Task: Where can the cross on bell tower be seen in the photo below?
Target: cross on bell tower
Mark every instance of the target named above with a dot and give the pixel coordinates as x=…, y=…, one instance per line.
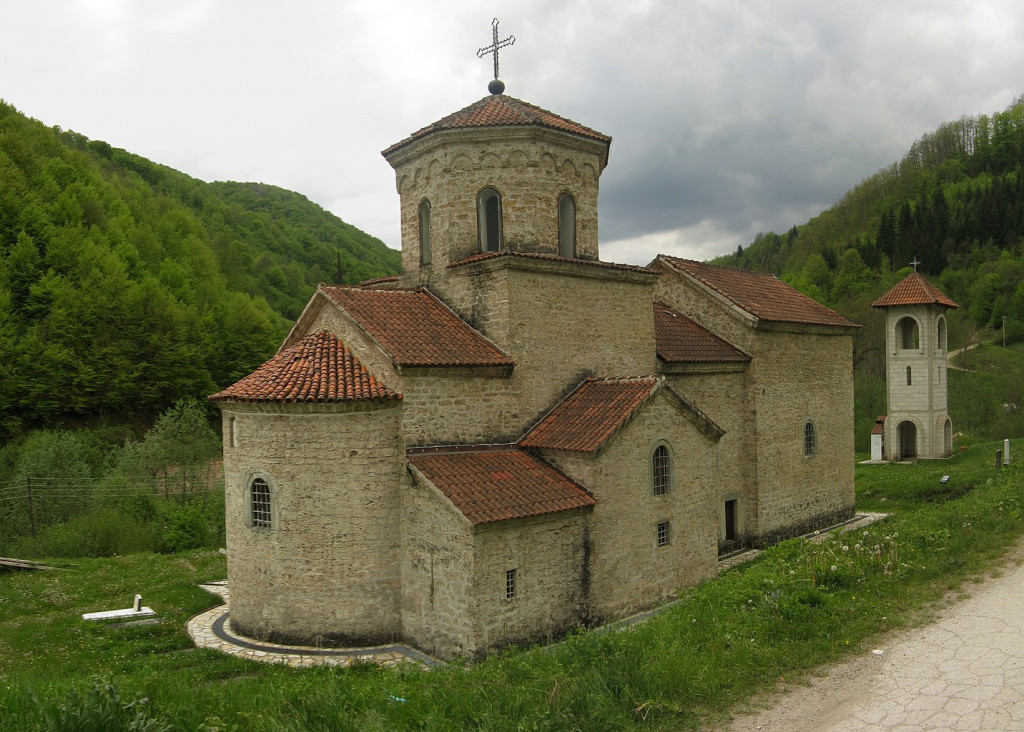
x=496, y=86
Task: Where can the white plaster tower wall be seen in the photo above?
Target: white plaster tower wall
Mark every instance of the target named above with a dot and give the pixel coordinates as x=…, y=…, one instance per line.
x=916, y=382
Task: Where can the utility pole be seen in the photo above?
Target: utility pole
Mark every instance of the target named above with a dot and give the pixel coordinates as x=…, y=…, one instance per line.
x=1004, y=331
x=31, y=513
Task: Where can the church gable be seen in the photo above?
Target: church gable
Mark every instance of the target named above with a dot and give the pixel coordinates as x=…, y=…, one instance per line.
x=491, y=485
x=680, y=340
x=415, y=328
x=763, y=298
x=598, y=410
x=595, y=411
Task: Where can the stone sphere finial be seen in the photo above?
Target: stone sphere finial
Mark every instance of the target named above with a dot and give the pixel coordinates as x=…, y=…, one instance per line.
x=496, y=86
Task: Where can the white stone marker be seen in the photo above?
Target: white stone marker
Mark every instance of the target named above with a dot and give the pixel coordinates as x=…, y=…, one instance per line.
x=1006, y=452
x=136, y=611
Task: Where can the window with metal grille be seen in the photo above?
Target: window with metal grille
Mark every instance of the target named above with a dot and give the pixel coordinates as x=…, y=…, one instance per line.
x=260, y=502
x=663, y=533
x=810, y=439
x=661, y=470
x=510, y=584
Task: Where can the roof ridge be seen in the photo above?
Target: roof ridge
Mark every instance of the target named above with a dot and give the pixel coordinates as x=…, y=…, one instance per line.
x=762, y=296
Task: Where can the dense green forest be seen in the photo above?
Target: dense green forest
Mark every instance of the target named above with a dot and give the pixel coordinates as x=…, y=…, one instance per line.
x=126, y=285
x=955, y=205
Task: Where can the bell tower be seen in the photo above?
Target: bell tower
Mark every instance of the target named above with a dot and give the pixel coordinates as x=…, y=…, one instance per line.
x=916, y=347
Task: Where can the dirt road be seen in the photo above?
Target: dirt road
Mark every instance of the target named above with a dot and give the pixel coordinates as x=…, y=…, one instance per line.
x=965, y=671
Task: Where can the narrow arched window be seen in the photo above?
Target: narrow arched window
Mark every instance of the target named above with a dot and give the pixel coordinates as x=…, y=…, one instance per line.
x=424, y=216
x=661, y=471
x=488, y=211
x=909, y=376
x=908, y=334
x=259, y=504
x=566, y=226
x=942, y=334
x=810, y=439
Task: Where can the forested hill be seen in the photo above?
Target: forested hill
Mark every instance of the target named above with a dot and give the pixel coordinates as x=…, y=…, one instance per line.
x=125, y=285
x=954, y=203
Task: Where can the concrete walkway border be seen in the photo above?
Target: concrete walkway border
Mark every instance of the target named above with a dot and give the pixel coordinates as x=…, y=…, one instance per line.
x=212, y=629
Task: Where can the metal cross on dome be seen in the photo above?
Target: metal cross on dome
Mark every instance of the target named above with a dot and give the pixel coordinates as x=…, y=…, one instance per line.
x=915, y=263
x=493, y=48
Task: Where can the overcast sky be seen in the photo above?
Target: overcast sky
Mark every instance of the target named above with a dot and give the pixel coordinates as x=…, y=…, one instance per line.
x=728, y=118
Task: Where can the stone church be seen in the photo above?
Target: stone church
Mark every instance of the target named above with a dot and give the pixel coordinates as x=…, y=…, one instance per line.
x=515, y=438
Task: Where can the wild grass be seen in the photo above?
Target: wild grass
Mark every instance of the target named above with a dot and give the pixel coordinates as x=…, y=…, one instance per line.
x=799, y=605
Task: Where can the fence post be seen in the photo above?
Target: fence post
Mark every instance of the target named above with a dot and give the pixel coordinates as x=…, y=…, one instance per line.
x=31, y=513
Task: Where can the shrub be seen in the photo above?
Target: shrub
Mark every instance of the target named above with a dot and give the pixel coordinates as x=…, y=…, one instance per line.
x=100, y=533
x=185, y=527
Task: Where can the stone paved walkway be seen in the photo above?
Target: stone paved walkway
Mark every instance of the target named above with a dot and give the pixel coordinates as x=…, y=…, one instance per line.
x=211, y=629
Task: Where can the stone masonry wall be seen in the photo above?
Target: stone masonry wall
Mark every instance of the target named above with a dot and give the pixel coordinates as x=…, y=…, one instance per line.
x=437, y=574
x=565, y=322
x=548, y=556
x=328, y=570
x=628, y=572
x=801, y=377
x=797, y=374
x=724, y=397
x=529, y=167
x=563, y=329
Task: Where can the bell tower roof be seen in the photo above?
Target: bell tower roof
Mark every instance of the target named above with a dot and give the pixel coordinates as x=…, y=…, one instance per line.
x=914, y=289
x=501, y=110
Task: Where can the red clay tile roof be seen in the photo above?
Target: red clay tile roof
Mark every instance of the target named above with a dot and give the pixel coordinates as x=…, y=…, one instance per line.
x=319, y=368
x=914, y=289
x=763, y=296
x=378, y=281
x=592, y=413
x=501, y=111
x=550, y=258
x=497, y=485
x=415, y=328
x=680, y=340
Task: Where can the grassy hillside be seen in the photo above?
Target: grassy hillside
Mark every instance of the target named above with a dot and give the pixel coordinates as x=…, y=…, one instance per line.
x=955, y=204
x=125, y=285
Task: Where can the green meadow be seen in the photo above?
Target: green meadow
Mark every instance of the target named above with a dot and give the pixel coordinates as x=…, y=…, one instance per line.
x=796, y=606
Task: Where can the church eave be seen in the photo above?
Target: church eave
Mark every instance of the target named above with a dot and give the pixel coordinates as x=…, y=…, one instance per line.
x=554, y=264
x=483, y=136
x=702, y=367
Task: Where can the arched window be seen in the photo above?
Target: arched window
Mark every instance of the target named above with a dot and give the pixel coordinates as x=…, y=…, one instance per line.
x=424, y=231
x=566, y=226
x=909, y=374
x=488, y=211
x=661, y=471
x=259, y=503
x=908, y=334
x=810, y=439
x=942, y=334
